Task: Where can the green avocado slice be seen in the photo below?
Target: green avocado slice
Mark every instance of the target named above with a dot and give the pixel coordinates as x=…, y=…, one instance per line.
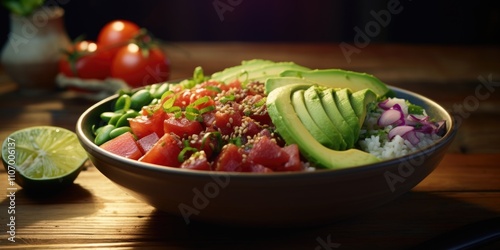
x=337, y=78
x=320, y=117
x=256, y=71
x=305, y=117
x=344, y=105
x=348, y=131
x=275, y=82
x=293, y=131
x=244, y=66
x=359, y=100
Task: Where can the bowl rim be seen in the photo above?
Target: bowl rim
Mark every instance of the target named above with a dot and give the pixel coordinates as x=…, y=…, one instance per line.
x=91, y=147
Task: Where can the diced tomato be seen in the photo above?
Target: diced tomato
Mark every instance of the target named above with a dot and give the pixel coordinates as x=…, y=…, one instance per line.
x=205, y=90
x=263, y=119
x=141, y=126
x=183, y=99
x=293, y=163
x=208, y=119
x=255, y=106
x=229, y=159
x=267, y=153
x=211, y=141
x=164, y=152
x=197, y=161
x=123, y=145
x=227, y=119
x=157, y=119
x=147, y=124
x=182, y=126
x=236, y=84
x=147, y=142
x=252, y=128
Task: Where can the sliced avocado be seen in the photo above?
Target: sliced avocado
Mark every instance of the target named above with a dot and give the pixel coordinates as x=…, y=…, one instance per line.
x=244, y=66
x=293, y=131
x=275, y=82
x=318, y=114
x=342, y=99
x=258, y=71
x=303, y=113
x=349, y=132
x=359, y=100
x=337, y=78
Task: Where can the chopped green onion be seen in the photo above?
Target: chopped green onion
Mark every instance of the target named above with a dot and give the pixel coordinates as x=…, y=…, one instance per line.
x=214, y=88
x=184, y=151
x=261, y=102
x=236, y=141
x=207, y=109
x=176, y=110
x=200, y=101
x=166, y=94
x=415, y=109
x=217, y=136
x=169, y=103
x=227, y=98
x=198, y=76
x=192, y=113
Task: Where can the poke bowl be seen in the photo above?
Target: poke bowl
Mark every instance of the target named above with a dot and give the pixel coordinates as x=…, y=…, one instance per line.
x=288, y=198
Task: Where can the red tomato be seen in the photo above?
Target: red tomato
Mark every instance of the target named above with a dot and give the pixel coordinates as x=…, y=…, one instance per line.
x=164, y=152
x=226, y=120
x=252, y=128
x=139, y=67
x=267, y=153
x=147, y=142
x=183, y=98
x=197, y=161
x=182, y=127
x=293, y=163
x=257, y=110
x=123, y=145
x=116, y=34
x=229, y=159
x=144, y=125
x=86, y=60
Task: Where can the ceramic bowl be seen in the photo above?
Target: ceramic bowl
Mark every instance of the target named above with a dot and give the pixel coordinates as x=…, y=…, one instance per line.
x=276, y=199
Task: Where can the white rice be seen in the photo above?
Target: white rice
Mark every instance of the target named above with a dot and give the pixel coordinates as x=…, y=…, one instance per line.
x=380, y=146
x=374, y=140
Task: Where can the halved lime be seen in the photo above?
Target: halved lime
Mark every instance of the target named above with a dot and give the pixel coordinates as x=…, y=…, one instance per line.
x=43, y=157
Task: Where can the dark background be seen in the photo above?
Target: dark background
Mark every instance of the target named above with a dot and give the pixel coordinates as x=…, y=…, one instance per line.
x=420, y=21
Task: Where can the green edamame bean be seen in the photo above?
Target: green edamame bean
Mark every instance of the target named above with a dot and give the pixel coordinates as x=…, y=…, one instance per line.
x=123, y=102
x=115, y=118
x=103, y=135
x=140, y=99
x=161, y=89
x=152, y=88
x=96, y=130
x=106, y=116
x=119, y=131
x=123, y=121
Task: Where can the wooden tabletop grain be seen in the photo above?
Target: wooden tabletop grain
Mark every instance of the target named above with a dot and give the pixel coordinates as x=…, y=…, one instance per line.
x=465, y=187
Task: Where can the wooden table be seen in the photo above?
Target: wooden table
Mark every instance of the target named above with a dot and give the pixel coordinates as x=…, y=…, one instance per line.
x=464, y=188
